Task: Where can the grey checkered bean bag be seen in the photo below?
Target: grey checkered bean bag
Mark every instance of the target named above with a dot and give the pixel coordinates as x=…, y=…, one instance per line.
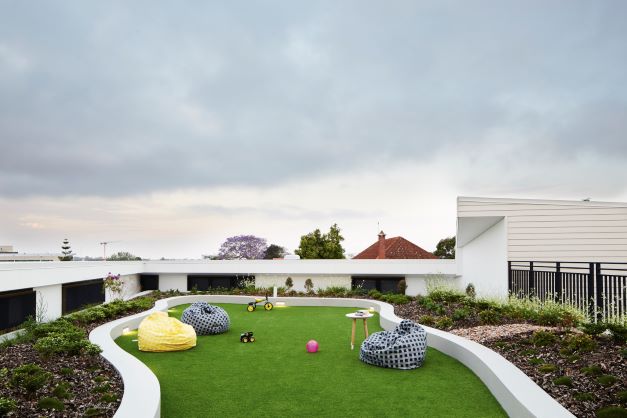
x=402, y=348
x=206, y=319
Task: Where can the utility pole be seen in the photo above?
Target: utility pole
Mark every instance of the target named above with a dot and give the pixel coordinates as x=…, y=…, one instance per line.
x=104, y=249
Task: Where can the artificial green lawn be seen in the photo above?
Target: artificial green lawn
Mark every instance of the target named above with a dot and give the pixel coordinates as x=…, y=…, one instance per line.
x=275, y=376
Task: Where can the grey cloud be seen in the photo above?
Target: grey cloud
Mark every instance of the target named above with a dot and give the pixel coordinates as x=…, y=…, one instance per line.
x=121, y=98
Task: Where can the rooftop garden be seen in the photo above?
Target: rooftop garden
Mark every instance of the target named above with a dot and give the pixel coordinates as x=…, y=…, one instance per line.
x=51, y=369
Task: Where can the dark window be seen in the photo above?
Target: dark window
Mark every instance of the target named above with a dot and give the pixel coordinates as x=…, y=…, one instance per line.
x=206, y=281
x=15, y=307
x=149, y=281
x=383, y=284
x=79, y=294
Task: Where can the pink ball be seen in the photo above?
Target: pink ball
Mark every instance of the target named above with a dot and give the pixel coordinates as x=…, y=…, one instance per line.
x=312, y=346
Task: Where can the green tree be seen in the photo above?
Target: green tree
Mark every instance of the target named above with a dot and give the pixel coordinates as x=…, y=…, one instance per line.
x=316, y=245
x=123, y=256
x=274, y=251
x=66, y=250
x=445, y=248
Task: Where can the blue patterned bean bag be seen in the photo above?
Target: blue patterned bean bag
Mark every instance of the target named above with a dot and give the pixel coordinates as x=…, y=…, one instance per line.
x=402, y=348
x=206, y=319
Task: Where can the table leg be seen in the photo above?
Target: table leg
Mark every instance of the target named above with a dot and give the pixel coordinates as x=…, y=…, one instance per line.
x=353, y=334
x=366, y=327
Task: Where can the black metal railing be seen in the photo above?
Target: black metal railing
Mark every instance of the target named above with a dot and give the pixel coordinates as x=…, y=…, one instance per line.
x=600, y=289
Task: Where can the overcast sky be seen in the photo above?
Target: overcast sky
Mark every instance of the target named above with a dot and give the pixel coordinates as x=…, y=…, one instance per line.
x=170, y=127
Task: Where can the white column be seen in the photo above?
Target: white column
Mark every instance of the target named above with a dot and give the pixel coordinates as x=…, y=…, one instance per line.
x=49, y=302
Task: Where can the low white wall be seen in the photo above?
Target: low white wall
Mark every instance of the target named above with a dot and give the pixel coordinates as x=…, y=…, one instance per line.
x=131, y=286
x=484, y=262
x=320, y=281
x=173, y=282
x=420, y=285
x=49, y=304
x=518, y=394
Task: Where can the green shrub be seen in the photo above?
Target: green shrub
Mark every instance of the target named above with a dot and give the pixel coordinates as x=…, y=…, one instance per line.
x=109, y=397
x=7, y=405
x=66, y=371
x=444, y=323
x=619, y=332
x=460, y=314
x=584, y=396
x=470, y=291
x=612, y=412
x=289, y=283
x=61, y=391
x=401, y=287
x=51, y=403
x=4, y=372
x=396, y=299
x=374, y=294
x=93, y=412
x=623, y=352
x=606, y=380
x=29, y=377
x=591, y=328
x=547, y=368
x=530, y=352
x=427, y=320
x=594, y=370
x=536, y=361
x=622, y=396
x=69, y=343
x=105, y=387
x=490, y=317
x=563, y=381
x=542, y=338
x=580, y=343
x=446, y=295
x=309, y=286
x=485, y=304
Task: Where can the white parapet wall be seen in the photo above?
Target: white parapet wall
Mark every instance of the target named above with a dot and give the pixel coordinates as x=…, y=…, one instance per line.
x=517, y=394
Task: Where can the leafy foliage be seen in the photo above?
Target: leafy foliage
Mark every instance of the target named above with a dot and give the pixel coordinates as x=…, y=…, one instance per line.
x=7, y=405
x=445, y=248
x=309, y=286
x=51, y=403
x=123, y=256
x=274, y=251
x=243, y=247
x=29, y=377
x=316, y=245
x=289, y=283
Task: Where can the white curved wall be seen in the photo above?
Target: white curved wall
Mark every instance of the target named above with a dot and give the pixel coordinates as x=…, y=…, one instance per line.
x=518, y=394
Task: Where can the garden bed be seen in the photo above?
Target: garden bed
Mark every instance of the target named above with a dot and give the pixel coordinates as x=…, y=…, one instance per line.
x=585, y=369
x=586, y=374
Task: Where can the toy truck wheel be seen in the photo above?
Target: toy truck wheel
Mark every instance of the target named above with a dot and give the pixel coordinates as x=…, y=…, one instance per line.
x=268, y=306
x=250, y=308
x=244, y=339
x=252, y=339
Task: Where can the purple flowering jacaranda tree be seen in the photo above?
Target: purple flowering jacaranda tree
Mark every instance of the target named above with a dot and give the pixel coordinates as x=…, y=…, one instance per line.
x=243, y=247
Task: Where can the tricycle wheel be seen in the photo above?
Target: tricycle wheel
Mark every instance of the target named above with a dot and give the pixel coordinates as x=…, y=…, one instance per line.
x=250, y=308
x=244, y=339
x=268, y=306
x=252, y=339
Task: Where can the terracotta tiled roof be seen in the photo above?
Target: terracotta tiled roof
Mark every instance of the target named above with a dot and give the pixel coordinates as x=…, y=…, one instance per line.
x=397, y=247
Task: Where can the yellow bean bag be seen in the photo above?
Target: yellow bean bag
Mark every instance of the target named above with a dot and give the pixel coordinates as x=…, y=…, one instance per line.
x=159, y=332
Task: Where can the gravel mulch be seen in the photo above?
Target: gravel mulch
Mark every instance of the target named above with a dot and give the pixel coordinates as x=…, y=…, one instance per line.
x=582, y=382
x=89, y=378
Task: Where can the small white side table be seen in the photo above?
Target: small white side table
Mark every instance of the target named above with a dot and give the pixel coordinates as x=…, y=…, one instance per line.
x=355, y=316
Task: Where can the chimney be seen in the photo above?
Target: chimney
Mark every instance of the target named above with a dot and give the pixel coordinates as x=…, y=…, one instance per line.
x=381, y=254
